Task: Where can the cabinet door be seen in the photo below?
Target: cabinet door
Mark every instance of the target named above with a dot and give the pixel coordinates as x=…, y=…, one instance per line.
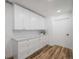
x=34, y=21
x=18, y=17
x=34, y=45
x=38, y=22
x=41, y=23
x=28, y=22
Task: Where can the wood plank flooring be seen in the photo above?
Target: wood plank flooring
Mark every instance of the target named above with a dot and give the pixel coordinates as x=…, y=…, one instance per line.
x=52, y=52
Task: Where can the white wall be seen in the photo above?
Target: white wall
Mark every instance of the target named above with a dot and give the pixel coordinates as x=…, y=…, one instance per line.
x=14, y=34
x=57, y=29
x=8, y=29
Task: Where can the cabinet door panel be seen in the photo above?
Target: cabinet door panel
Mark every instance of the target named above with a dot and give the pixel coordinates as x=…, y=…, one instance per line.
x=18, y=17
x=30, y=21
x=41, y=22
x=27, y=21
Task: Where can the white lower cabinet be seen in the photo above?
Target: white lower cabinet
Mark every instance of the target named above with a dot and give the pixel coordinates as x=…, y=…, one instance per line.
x=22, y=49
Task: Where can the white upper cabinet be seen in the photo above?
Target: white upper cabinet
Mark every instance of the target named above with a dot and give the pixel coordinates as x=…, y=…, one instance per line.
x=27, y=20
x=18, y=17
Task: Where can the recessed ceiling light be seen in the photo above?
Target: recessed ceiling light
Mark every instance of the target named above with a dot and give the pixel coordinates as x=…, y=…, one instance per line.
x=49, y=0
x=58, y=11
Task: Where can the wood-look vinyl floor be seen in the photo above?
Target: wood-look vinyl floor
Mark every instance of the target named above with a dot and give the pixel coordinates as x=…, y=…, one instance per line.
x=52, y=52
